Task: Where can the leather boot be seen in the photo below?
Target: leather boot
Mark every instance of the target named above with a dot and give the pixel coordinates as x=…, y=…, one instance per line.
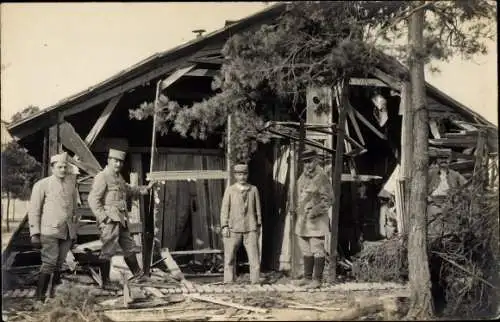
x=319, y=266
x=133, y=265
x=308, y=271
x=105, y=267
x=43, y=284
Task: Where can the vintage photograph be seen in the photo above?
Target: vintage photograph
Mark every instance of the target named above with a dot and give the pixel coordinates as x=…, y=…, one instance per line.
x=249, y=161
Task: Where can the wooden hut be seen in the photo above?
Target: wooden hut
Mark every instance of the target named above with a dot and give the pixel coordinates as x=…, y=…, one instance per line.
x=88, y=123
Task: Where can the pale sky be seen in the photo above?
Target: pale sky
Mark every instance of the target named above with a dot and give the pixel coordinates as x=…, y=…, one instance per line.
x=50, y=51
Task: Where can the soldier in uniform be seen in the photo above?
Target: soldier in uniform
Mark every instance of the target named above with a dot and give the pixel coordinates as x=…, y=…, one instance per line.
x=315, y=197
x=53, y=222
x=108, y=201
x=241, y=222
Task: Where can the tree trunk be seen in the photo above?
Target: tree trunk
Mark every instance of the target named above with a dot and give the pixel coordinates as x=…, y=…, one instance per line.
x=7, y=212
x=421, y=302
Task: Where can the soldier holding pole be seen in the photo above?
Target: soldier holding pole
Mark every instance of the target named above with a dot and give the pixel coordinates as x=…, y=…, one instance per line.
x=108, y=201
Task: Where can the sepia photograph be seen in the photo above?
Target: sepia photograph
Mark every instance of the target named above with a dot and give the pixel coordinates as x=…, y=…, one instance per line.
x=249, y=161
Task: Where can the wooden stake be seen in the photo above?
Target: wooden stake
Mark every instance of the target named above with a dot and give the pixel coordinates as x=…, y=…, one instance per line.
x=226, y=303
x=406, y=153
x=341, y=99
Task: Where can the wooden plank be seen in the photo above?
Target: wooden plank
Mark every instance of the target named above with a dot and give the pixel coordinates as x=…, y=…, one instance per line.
x=91, y=229
x=54, y=145
x=197, y=251
x=454, y=142
x=199, y=215
x=154, y=291
x=434, y=129
x=101, y=121
x=215, y=194
x=10, y=260
x=172, y=264
x=227, y=303
x=172, y=78
x=367, y=82
x=366, y=122
x=388, y=79
x=137, y=210
x=71, y=140
x=186, y=175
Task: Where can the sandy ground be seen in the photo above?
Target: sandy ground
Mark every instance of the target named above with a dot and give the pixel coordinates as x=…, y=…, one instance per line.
x=280, y=307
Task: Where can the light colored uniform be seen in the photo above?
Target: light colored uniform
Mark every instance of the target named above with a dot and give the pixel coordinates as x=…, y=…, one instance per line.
x=108, y=198
x=241, y=213
x=52, y=215
x=315, y=196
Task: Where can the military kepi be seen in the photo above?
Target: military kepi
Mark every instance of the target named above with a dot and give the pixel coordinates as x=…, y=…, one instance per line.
x=309, y=154
x=240, y=168
x=117, y=154
x=61, y=157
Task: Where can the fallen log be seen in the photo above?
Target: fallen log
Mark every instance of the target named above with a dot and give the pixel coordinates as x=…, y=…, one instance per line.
x=226, y=303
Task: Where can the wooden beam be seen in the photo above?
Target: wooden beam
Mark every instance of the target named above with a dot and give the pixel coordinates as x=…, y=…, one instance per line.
x=434, y=129
x=386, y=78
x=406, y=154
x=107, y=95
x=71, y=140
x=342, y=103
x=53, y=145
x=229, y=165
x=203, y=72
x=366, y=122
x=187, y=175
x=367, y=82
x=175, y=76
x=356, y=126
x=101, y=121
x=160, y=149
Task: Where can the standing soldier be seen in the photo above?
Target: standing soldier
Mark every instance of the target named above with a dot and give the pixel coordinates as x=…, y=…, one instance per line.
x=108, y=201
x=241, y=221
x=53, y=221
x=315, y=197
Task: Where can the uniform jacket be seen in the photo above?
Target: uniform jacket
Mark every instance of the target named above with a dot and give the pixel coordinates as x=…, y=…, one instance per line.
x=108, y=196
x=238, y=215
x=315, y=196
x=453, y=178
x=52, y=207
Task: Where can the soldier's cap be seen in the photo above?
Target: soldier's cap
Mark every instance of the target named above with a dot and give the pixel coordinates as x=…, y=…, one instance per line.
x=61, y=157
x=309, y=155
x=117, y=154
x=240, y=168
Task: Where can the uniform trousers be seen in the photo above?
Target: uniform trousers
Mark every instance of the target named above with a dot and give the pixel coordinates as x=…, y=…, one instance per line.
x=231, y=245
x=115, y=234
x=53, y=253
x=312, y=246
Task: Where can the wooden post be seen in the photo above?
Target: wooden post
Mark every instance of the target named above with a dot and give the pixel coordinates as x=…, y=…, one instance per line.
x=293, y=207
x=45, y=157
x=341, y=99
x=53, y=144
x=229, y=150
x=150, y=218
x=134, y=216
x=406, y=154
